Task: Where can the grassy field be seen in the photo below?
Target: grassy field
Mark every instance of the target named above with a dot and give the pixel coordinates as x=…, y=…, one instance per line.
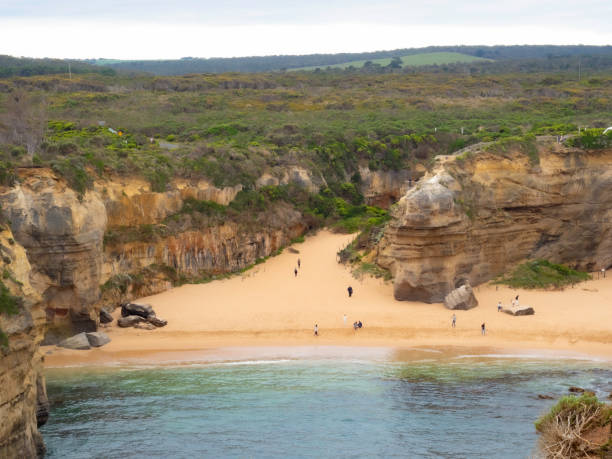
x=411, y=60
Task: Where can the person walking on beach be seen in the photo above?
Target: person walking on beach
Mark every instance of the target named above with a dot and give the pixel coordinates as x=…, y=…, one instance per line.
x=316, y=330
x=350, y=291
x=454, y=321
x=482, y=329
x=299, y=263
x=499, y=306
x=344, y=319
x=295, y=272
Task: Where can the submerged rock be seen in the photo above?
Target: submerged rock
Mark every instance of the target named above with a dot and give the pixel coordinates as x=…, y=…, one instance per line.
x=129, y=321
x=461, y=298
x=79, y=341
x=98, y=339
x=105, y=317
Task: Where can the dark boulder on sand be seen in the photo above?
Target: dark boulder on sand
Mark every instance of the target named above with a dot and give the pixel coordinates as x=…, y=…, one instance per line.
x=154, y=320
x=98, y=339
x=519, y=310
x=129, y=321
x=133, y=309
x=462, y=298
x=105, y=317
x=79, y=341
x=139, y=316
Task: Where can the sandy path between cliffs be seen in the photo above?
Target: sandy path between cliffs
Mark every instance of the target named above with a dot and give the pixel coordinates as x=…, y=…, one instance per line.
x=269, y=306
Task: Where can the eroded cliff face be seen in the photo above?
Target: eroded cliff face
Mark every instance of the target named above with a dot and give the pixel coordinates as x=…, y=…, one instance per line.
x=473, y=219
x=23, y=399
x=62, y=236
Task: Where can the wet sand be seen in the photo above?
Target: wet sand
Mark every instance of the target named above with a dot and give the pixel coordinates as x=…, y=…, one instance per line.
x=269, y=307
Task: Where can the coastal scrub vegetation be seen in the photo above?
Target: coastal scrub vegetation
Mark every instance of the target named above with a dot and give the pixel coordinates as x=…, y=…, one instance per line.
x=232, y=128
x=542, y=274
x=9, y=305
x=576, y=427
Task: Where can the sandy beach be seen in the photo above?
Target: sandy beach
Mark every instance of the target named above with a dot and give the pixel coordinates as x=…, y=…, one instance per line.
x=268, y=306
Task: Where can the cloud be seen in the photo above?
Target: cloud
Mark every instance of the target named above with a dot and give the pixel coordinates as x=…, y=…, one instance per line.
x=161, y=29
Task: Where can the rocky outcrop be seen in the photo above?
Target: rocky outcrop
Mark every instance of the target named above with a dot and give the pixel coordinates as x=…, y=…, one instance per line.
x=474, y=218
x=383, y=188
x=62, y=234
x=461, y=298
x=216, y=249
x=23, y=398
x=130, y=201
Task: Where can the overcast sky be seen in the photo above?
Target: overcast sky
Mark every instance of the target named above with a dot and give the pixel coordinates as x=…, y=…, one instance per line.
x=149, y=29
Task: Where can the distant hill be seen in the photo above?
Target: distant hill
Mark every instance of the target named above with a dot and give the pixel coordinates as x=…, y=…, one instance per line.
x=25, y=66
x=415, y=60
x=275, y=63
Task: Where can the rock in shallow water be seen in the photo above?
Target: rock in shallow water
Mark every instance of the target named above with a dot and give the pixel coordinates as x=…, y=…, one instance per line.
x=79, y=341
x=145, y=326
x=98, y=339
x=461, y=298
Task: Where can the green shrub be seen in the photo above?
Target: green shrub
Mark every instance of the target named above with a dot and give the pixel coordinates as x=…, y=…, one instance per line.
x=592, y=139
x=74, y=172
x=9, y=305
x=542, y=274
x=191, y=205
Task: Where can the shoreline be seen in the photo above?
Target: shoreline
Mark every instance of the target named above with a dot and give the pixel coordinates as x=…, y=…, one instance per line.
x=269, y=306
x=231, y=346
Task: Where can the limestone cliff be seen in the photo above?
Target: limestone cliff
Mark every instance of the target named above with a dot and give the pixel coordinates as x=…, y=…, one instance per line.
x=64, y=238
x=23, y=399
x=476, y=215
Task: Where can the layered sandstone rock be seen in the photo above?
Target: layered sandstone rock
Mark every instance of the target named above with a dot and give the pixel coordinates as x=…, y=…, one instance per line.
x=474, y=218
x=383, y=188
x=23, y=398
x=62, y=234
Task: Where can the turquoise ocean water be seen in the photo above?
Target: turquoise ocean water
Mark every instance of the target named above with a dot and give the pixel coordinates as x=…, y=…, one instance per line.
x=425, y=404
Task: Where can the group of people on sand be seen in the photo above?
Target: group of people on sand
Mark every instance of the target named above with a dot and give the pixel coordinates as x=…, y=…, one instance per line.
x=483, y=328
x=295, y=270
x=356, y=325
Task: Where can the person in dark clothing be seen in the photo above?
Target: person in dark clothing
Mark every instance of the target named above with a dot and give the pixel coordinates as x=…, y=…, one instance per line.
x=355, y=325
x=295, y=272
x=350, y=291
x=299, y=263
x=359, y=324
x=482, y=329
